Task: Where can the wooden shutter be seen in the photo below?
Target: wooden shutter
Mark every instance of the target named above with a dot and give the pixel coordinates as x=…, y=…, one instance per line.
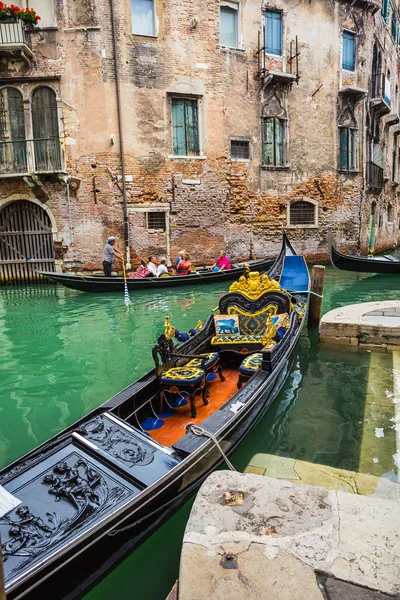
x=192, y=127
x=343, y=152
x=273, y=44
x=349, y=47
x=268, y=141
x=45, y=130
x=178, y=126
x=279, y=143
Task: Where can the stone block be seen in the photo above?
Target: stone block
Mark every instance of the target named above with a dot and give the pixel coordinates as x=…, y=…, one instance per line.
x=334, y=340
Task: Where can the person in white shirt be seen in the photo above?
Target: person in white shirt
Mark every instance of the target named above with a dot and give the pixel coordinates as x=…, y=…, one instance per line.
x=162, y=268
x=152, y=266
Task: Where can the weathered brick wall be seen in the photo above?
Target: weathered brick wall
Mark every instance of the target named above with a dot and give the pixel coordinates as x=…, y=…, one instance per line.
x=234, y=205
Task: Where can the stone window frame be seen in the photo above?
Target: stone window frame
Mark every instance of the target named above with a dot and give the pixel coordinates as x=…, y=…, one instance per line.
x=200, y=123
x=239, y=39
x=156, y=207
x=27, y=92
x=241, y=139
x=301, y=225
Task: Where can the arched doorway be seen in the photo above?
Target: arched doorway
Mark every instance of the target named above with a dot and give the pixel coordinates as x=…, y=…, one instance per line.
x=26, y=242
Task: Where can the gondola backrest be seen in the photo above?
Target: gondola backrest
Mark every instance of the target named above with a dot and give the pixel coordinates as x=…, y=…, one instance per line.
x=163, y=354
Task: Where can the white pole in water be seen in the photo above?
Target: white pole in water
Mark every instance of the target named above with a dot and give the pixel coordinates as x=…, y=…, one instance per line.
x=127, y=300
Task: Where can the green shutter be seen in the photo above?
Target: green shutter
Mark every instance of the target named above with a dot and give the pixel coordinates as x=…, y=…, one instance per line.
x=344, y=149
x=279, y=143
x=268, y=145
x=178, y=126
x=192, y=128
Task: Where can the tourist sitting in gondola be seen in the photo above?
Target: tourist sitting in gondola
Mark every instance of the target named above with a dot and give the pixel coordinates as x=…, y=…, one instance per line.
x=152, y=266
x=222, y=263
x=141, y=272
x=162, y=269
x=184, y=266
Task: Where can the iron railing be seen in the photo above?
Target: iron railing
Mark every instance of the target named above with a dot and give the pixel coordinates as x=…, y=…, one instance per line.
x=374, y=176
x=12, y=34
x=44, y=155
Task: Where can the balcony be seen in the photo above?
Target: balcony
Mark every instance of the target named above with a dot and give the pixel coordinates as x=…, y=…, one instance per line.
x=374, y=176
x=380, y=94
x=27, y=157
x=14, y=41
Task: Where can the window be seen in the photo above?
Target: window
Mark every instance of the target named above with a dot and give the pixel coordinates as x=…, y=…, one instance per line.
x=185, y=127
x=390, y=213
x=143, y=17
x=394, y=165
x=45, y=130
x=385, y=11
x=273, y=32
x=386, y=93
x=156, y=220
x=274, y=142
x=229, y=23
x=44, y=8
x=349, y=51
x=302, y=212
x=348, y=149
x=394, y=28
x=240, y=149
x=12, y=132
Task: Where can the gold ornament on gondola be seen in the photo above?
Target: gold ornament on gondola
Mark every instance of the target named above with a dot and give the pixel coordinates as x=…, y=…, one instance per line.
x=199, y=326
x=266, y=339
x=253, y=285
x=169, y=330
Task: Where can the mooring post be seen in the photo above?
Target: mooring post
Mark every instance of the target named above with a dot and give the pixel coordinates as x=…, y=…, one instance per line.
x=2, y=582
x=317, y=286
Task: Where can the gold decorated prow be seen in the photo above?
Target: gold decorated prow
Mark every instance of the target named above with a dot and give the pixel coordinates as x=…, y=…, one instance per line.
x=253, y=285
x=199, y=326
x=266, y=339
x=169, y=330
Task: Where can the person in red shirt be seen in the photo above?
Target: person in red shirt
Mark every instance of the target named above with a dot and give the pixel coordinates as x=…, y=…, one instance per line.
x=222, y=263
x=184, y=266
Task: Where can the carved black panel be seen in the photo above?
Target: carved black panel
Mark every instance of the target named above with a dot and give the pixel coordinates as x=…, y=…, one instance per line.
x=117, y=441
x=129, y=448
x=280, y=299
x=60, y=497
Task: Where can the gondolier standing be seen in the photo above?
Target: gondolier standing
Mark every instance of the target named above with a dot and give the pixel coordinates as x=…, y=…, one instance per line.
x=108, y=256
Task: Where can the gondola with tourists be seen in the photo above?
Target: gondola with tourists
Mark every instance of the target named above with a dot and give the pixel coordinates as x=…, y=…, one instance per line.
x=96, y=283
x=364, y=264
x=80, y=502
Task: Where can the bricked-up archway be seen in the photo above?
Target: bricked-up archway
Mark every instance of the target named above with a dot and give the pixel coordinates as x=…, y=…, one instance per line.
x=26, y=243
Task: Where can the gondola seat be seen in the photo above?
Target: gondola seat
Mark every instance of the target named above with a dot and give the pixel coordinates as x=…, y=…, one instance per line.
x=176, y=378
x=211, y=363
x=249, y=366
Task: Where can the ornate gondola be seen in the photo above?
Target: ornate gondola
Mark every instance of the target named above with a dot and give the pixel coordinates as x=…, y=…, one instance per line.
x=364, y=264
x=94, y=283
x=83, y=500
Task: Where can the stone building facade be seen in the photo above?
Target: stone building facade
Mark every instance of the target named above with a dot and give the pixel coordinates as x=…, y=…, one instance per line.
x=239, y=119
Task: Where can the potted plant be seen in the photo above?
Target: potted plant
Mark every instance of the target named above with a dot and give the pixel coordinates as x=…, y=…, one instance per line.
x=11, y=12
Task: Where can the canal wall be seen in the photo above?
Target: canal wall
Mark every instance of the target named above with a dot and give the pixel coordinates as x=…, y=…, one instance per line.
x=369, y=324
x=255, y=537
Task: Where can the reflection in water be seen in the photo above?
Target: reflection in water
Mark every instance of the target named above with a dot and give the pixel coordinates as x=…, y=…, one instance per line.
x=63, y=353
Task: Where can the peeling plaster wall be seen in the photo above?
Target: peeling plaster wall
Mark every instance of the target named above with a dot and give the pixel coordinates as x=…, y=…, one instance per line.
x=214, y=202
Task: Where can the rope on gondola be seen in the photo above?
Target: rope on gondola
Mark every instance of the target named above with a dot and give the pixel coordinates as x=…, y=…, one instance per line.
x=199, y=431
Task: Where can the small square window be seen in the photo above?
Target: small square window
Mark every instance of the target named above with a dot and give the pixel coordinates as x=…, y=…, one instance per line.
x=240, y=149
x=156, y=220
x=143, y=17
x=302, y=213
x=229, y=24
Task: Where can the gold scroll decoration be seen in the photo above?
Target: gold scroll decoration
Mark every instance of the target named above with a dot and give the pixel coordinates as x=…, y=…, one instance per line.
x=169, y=330
x=266, y=339
x=254, y=285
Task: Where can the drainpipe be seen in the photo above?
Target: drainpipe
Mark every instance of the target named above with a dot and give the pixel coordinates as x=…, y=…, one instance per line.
x=121, y=137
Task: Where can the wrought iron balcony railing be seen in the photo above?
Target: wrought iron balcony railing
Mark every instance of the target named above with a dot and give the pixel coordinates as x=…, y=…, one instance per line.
x=24, y=157
x=374, y=175
x=14, y=40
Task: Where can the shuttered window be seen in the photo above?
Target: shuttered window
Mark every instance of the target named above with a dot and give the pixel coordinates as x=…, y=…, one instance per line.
x=185, y=127
x=12, y=132
x=394, y=28
x=385, y=10
x=273, y=142
x=45, y=130
x=143, y=17
x=273, y=32
x=348, y=149
x=349, y=51
x=229, y=24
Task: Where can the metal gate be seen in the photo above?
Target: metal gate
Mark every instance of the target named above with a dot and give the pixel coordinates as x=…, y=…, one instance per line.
x=26, y=243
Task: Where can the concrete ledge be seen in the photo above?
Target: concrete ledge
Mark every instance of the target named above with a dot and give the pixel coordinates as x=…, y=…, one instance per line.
x=253, y=537
x=369, y=323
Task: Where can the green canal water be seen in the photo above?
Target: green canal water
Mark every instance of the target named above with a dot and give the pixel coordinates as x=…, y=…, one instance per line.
x=63, y=353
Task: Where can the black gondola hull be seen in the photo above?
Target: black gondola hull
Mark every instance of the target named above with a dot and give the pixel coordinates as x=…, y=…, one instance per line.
x=96, y=284
x=362, y=264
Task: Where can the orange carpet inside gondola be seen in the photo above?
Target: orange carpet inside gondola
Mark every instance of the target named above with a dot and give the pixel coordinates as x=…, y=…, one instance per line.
x=220, y=392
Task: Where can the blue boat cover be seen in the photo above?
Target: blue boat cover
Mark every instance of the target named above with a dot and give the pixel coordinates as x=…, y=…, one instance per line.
x=295, y=274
